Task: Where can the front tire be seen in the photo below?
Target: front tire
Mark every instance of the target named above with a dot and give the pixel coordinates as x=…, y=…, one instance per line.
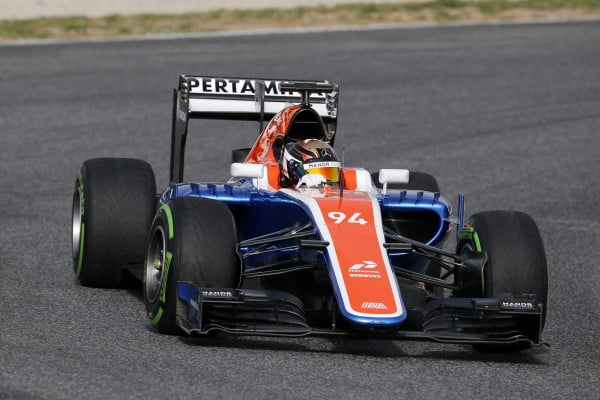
x=516, y=263
x=113, y=204
x=194, y=240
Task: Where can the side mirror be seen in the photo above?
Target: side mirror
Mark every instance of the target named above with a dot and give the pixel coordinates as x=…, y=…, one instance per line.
x=250, y=170
x=393, y=176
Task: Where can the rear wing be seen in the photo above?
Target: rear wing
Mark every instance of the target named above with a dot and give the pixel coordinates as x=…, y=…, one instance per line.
x=244, y=99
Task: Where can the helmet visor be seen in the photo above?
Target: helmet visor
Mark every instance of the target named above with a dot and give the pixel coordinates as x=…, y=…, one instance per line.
x=332, y=174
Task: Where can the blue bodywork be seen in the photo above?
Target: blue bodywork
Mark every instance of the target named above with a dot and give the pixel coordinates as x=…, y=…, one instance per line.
x=260, y=213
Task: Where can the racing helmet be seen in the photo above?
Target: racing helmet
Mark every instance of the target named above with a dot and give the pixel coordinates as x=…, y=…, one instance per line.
x=309, y=156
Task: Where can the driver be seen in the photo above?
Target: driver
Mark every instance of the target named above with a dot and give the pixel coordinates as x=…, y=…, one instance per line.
x=309, y=163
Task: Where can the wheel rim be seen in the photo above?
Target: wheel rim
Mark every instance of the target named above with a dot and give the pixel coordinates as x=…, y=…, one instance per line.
x=76, y=223
x=154, y=265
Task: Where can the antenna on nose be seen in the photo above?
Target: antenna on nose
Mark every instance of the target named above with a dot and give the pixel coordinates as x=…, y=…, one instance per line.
x=342, y=173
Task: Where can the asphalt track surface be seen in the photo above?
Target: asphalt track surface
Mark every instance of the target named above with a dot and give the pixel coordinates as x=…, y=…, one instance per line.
x=508, y=115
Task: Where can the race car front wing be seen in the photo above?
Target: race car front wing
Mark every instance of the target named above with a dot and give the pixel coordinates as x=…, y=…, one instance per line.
x=201, y=310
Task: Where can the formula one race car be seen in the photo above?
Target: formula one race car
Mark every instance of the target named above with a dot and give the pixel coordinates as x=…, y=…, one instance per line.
x=295, y=243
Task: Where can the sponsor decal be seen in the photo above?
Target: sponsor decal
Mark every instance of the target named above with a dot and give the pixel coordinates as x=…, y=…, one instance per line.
x=366, y=269
x=518, y=305
x=221, y=86
x=321, y=164
x=366, y=265
x=217, y=293
x=371, y=305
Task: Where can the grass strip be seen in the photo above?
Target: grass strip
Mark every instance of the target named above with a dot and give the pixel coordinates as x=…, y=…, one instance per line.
x=435, y=11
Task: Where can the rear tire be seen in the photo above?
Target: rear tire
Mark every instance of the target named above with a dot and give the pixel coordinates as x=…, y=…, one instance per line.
x=416, y=181
x=516, y=263
x=113, y=204
x=192, y=239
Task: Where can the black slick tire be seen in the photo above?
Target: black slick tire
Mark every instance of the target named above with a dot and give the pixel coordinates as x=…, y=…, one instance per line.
x=516, y=264
x=194, y=240
x=113, y=205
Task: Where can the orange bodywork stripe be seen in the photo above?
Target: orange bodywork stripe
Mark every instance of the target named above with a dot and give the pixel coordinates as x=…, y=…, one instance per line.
x=262, y=151
x=365, y=277
x=350, y=179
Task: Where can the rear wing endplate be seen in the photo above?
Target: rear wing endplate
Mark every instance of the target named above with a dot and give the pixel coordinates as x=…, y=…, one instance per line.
x=244, y=99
